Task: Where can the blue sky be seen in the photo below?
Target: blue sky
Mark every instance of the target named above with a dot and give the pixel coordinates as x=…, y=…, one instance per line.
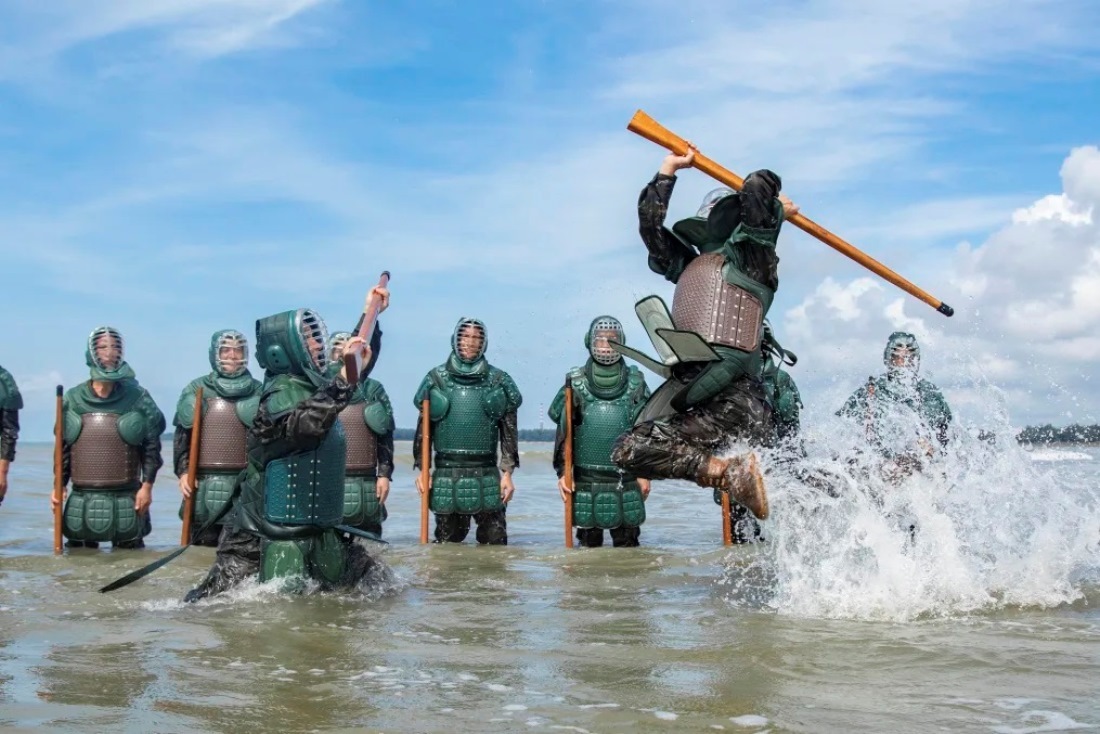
x=180, y=166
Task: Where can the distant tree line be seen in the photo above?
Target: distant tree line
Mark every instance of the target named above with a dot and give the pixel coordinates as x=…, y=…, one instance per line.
x=525, y=434
x=1050, y=434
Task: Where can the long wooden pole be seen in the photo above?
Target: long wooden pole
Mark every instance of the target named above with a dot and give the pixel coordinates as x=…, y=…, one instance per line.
x=425, y=466
x=568, y=472
x=727, y=521
x=192, y=469
x=58, y=484
x=353, y=363
x=651, y=130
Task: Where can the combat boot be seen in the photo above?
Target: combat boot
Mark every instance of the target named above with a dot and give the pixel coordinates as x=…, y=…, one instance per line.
x=741, y=477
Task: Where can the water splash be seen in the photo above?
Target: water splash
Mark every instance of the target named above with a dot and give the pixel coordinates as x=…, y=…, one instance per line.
x=982, y=528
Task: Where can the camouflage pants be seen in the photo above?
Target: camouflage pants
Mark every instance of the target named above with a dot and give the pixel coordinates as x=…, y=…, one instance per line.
x=678, y=446
x=492, y=527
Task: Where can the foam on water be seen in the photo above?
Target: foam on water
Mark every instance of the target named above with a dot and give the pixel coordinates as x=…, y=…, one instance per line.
x=993, y=529
x=1058, y=455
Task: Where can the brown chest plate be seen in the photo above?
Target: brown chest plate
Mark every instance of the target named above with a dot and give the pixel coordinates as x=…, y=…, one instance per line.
x=221, y=443
x=719, y=312
x=100, y=459
x=362, y=443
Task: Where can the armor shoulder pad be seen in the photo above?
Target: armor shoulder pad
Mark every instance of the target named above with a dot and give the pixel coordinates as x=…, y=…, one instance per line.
x=378, y=414
x=132, y=427
x=185, y=406
x=557, y=407
x=511, y=390
x=10, y=399
x=72, y=426
x=155, y=422
x=246, y=409
x=283, y=394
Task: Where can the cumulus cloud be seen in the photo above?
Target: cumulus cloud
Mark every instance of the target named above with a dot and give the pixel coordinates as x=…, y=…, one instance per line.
x=1027, y=302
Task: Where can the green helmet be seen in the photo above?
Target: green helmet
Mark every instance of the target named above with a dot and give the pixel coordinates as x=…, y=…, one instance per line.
x=475, y=328
x=902, y=346
x=611, y=329
x=228, y=366
x=293, y=343
x=104, y=355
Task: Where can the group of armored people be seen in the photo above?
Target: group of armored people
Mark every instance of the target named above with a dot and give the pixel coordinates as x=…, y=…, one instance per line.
x=292, y=468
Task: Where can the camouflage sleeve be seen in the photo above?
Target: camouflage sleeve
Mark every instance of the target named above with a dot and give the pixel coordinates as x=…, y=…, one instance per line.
x=303, y=427
x=9, y=433
x=556, y=413
x=418, y=442
x=856, y=405
x=667, y=255
x=509, y=441
x=149, y=451
x=940, y=416
x=375, y=349
x=181, y=450
x=385, y=455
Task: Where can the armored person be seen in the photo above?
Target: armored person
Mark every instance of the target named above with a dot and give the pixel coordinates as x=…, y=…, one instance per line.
x=230, y=396
x=368, y=427
x=291, y=497
x=473, y=411
x=11, y=402
x=110, y=450
x=608, y=395
x=906, y=417
x=724, y=264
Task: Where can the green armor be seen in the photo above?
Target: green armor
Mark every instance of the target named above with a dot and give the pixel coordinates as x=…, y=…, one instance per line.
x=321, y=557
x=607, y=400
x=466, y=490
x=10, y=398
x=103, y=436
x=368, y=416
x=102, y=516
x=469, y=398
x=231, y=397
x=308, y=488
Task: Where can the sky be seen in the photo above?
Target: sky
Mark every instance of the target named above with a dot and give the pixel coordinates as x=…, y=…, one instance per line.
x=176, y=167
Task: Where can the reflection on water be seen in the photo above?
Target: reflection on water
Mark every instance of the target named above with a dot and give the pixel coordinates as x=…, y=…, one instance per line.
x=678, y=635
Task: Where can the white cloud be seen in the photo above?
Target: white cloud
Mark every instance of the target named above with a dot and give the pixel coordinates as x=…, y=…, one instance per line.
x=1028, y=313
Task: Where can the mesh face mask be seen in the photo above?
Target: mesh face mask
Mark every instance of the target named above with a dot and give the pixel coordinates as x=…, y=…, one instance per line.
x=106, y=347
x=902, y=354
x=711, y=199
x=314, y=336
x=603, y=331
x=470, y=340
x=230, y=354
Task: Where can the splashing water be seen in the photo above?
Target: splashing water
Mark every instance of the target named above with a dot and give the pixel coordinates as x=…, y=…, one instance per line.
x=981, y=528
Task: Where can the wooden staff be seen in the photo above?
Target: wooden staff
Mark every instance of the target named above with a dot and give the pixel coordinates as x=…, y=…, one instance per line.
x=354, y=362
x=567, y=475
x=58, y=484
x=651, y=130
x=727, y=521
x=425, y=465
x=192, y=470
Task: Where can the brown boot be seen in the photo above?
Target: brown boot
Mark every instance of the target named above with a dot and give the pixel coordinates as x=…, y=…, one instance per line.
x=741, y=477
